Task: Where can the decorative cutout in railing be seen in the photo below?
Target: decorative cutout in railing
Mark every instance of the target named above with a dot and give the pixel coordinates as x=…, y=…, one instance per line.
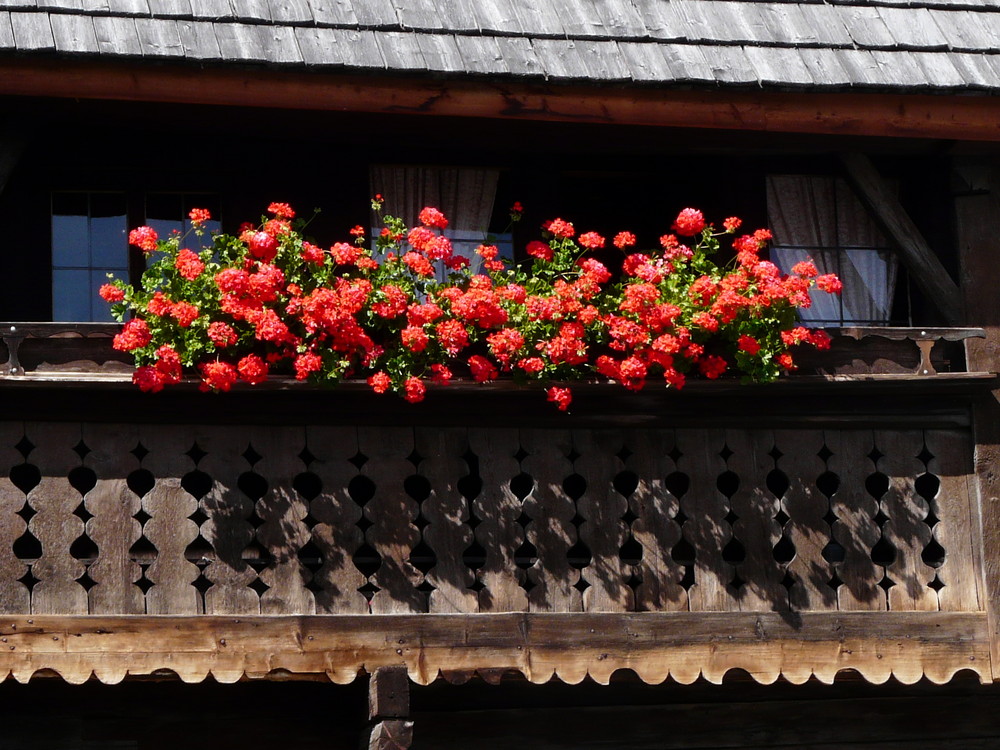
x=129, y=519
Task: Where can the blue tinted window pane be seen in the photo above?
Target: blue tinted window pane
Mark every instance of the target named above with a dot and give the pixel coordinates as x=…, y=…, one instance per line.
x=71, y=295
x=108, y=241
x=70, y=241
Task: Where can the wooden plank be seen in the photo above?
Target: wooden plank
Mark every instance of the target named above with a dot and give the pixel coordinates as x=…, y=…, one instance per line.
x=954, y=504
x=113, y=527
x=706, y=529
x=854, y=529
x=336, y=533
x=159, y=38
x=551, y=531
x=199, y=40
x=447, y=514
x=924, y=266
x=603, y=531
x=170, y=528
x=318, y=46
x=14, y=595
x=73, y=34
x=117, y=36
x=655, y=528
x=293, y=12
x=498, y=508
x=907, y=646
x=55, y=525
x=32, y=31
x=227, y=528
x=889, y=114
x=978, y=247
x=807, y=527
x=389, y=693
x=754, y=526
x=170, y=7
x=335, y=13
x=905, y=528
x=282, y=510
x=392, y=513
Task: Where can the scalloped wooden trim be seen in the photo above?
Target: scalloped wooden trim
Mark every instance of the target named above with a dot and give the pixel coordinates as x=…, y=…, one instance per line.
x=908, y=646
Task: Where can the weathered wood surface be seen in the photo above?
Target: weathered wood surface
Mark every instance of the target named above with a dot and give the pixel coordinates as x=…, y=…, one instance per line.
x=173, y=520
x=572, y=646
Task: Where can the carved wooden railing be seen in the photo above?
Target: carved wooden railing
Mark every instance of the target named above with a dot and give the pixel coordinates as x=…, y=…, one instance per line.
x=47, y=349
x=325, y=549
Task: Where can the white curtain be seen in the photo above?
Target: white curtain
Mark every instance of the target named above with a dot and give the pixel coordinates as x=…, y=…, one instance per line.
x=464, y=195
x=821, y=218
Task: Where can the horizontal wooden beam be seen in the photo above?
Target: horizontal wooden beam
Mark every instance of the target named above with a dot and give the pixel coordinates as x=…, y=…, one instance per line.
x=972, y=118
x=683, y=646
x=925, y=268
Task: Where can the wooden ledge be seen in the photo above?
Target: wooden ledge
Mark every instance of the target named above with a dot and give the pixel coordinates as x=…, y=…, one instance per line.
x=907, y=646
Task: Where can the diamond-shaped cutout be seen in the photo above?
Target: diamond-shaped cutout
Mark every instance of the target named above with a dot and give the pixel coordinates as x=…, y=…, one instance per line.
x=524, y=519
x=306, y=456
x=880, y=518
x=824, y=453
x=731, y=518
x=27, y=512
x=680, y=517
x=259, y=586
x=573, y=455
x=140, y=451
x=775, y=453
x=82, y=513
x=28, y=579
x=581, y=585
x=578, y=520
x=781, y=517
x=359, y=459
x=314, y=585
x=726, y=453
x=876, y=455
x=835, y=582
x=628, y=517
x=86, y=581
x=478, y=586
x=81, y=450
x=527, y=584
x=830, y=518
x=675, y=454
x=421, y=522
x=202, y=583
x=414, y=457
x=788, y=581
x=364, y=524
x=886, y=583
x=199, y=516
x=688, y=579
x=144, y=583
x=937, y=584
x=425, y=587
x=521, y=454
x=737, y=583
x=251, y=455
x=925, y=456
x=624, y=454
x=369, y=590
x=24, y=446
x=142, y=516
x=634, y=580
x=195, y=453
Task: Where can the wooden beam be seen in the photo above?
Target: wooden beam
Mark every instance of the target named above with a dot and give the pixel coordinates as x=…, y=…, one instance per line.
x=971, y=118
x=684, y=646
x=925, y=268
x=979, y=249
x=389, y=709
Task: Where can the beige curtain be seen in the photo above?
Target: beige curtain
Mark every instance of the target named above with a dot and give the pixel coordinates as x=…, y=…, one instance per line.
x=821, y=218
x=465, y=195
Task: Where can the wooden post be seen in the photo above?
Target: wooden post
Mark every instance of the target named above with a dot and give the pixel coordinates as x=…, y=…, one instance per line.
x=389, y=710
x=924, y=266
x=979, y=247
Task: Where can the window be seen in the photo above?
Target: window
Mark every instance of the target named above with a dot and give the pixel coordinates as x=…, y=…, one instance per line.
x=821, y=218
x=464, y=195
x=89, y=240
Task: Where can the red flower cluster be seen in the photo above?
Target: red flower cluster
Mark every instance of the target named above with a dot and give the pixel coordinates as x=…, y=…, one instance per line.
x=281, y=303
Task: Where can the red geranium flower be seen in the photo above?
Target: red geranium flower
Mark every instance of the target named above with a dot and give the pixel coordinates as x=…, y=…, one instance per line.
x=689, y=222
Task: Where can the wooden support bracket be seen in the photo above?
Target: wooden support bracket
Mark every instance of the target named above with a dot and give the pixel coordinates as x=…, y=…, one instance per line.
x=924, y=266
x=389, y=710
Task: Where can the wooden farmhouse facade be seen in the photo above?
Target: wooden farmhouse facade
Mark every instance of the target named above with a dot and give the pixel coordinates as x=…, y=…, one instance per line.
x=811, y=563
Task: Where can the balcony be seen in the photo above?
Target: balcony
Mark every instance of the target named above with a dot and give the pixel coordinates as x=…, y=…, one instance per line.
x=827, y=523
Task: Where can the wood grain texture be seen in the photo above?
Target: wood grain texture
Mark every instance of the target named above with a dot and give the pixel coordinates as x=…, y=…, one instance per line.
x=283, y=532
x=336, y=533
x=498, y=508
x=14, y=595
x=113, y=527
x=655, y=528
x=55, y=525
x=551, y=531
x=170, y=529
x=685, y=647
x=447, y=514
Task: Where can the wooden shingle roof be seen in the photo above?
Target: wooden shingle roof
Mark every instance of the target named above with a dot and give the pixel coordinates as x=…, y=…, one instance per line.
x=893, y=45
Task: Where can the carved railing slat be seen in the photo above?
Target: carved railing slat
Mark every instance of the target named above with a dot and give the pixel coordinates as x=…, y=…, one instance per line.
x=15, y=597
